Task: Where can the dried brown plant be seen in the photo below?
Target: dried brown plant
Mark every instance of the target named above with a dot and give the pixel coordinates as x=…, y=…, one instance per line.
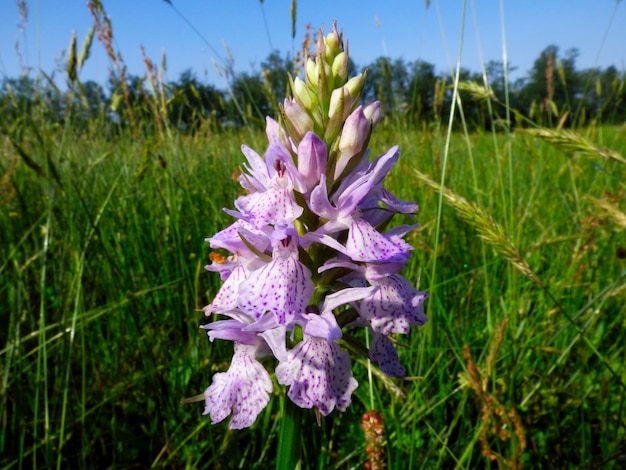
x=608, y=208
x=373, y=425
x=7, y=186
x=306, y=50
x=550, y=77
x=498, y=421
x=159, y=112
x=104, y=33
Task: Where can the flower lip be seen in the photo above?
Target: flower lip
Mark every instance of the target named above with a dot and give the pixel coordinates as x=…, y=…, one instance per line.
x=283, y=286
x=319, y=374
x=243, y=390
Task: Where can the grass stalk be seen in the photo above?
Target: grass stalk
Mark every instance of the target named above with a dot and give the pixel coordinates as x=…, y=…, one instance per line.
x=446, y=152
x=42, y=356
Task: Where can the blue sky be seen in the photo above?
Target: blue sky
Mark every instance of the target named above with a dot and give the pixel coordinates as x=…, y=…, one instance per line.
x=397, y=28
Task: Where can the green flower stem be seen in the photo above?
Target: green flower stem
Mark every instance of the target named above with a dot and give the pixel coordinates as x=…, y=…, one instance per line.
x=290, y=437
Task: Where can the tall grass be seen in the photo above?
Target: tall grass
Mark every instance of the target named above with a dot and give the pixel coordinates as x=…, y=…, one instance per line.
x=101, y=265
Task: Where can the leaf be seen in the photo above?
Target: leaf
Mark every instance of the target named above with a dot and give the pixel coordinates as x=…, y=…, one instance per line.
x=29, y=161
x=71, y=60
x=293, y=18
x=85, y=50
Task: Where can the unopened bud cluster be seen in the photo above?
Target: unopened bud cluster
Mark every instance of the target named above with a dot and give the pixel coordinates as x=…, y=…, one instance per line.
x=326, y=103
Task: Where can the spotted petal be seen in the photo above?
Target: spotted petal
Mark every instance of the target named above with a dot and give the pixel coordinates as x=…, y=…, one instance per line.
x=274, y=206
x=231, y=330
x=243, y=390
x=365, y=243
x=383, y=354
x=319, y=374
x=283, y=286
x=231, y=238
x=395, y=307
x=226, y=298
x=258, y=178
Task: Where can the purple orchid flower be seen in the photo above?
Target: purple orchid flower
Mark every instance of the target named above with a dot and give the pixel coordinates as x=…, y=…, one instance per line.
x=243, y=390
x=317, y=371
x=271, y=184
x=283, y=286
x=384, y=355
x=319, y=374
x=395, y=307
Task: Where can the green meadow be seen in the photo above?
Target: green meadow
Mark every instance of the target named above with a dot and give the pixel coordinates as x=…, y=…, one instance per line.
x=521, y=246
x=102, y=280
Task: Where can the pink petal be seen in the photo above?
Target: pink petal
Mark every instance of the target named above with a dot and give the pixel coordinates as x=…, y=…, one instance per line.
x=226, y=298
x=312, y=156
x=243, y=390
x=383, y=354
x=283, y=286
x=230, y=238
x=319, y=374
x=365, y=243
x=258, y=178
x=274, y=206
x=395, y=307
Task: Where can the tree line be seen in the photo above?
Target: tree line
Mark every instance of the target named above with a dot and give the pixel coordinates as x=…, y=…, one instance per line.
x=553, y=92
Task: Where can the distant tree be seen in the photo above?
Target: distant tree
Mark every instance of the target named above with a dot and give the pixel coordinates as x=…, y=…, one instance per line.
x=494, y=69
x=20, y=97
x=410, y=92
x=275, y=72
x=474, y=111
x=193, y=103
x=388, y=81
x=604, y=95
x=611, y=94
x=553, y=84
x=496, y=79
x=250, y=101
x=420, y=93
x=90, y=101
x=129, y=100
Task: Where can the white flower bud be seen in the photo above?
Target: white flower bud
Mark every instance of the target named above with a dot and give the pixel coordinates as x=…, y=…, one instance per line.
x=373, y=112
x=311, y=72
x=336, y=102
x=303, y=94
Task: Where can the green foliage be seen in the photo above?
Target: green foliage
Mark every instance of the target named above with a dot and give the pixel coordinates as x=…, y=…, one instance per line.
x=193, y=104
x=553, y=83
x=275, y=72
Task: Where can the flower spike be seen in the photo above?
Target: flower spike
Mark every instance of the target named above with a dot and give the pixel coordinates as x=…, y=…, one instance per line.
x=313, y=252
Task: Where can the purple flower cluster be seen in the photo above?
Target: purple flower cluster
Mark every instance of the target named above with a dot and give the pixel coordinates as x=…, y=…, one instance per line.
x=309, y=253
